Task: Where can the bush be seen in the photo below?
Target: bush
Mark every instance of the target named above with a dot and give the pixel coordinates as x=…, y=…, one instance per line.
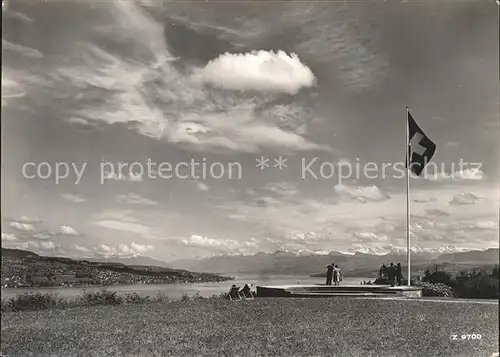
x=437, y=276
x=185, y=297
x=479, y=285
x=135, y=298
x=103, y=297
x=33, y=301
x=438, y=289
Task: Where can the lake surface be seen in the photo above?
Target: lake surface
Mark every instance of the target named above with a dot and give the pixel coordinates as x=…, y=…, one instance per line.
x=175, y=291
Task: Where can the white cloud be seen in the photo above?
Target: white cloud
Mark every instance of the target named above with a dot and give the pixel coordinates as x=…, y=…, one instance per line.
x=81, y=248
x=140, y=248
x=47, y=245
x=41, y=236
x=201, y=186
x=68, y=231
x=134, y=199
x=124, y=226
x=74, y=198
x=123, y=250
x=361, y=194
x=22, y=227
x=25, y=219
x=464, y=199
x=8, y=237
x=197, y=240
x=259, y=71
x=463, y=175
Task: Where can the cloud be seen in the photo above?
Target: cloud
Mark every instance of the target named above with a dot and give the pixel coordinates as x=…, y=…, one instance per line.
x=362, y=194
x=122, y=250
x=73, y=198
x=47, y=245
x=224, y=245
x=283, y=189
x=22, y=227
x=124, y=226
x=464, y=199
x=436, y=212
x=8, y=237
x=130, y=177
x=22, y=50
x=25, y=219
x=82, y=248
x=42, y=236
x=201, y=186
x=258, y=71
x=133, y=199
x=463, y=175
x=68, y=231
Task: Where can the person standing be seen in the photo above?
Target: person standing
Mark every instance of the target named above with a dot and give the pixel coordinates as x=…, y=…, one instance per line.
x=337, y=275
x=399, y=274
x=391, y=272
x=329, y=274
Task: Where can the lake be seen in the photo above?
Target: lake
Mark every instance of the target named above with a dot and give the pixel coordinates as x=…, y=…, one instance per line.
x=175, y=291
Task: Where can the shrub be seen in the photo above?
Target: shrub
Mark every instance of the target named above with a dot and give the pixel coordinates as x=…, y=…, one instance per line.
x=437, y=276
x=185, y=297
x=135, y=298
x=102, y=297
x=197, y=296
x=479, y=285
x=33, y=301
x=438, y=289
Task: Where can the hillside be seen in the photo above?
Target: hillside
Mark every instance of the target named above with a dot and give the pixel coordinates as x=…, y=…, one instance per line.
x=359, y=264
x=23, y=269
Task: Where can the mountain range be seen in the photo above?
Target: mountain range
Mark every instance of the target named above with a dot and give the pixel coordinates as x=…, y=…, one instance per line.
x=357, y=264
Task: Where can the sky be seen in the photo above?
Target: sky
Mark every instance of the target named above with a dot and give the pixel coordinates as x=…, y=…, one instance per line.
x=257, y=127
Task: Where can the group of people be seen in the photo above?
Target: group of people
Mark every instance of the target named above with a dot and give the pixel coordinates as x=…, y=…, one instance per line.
x=334, y=274
x=235, y=293
x=392, y=273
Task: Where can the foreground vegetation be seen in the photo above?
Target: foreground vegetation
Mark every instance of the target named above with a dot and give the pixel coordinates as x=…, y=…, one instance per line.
x=270, y=327
x=475, y=284
x=38, y=301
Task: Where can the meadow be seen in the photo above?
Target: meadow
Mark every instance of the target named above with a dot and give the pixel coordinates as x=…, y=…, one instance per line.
x=260, y=327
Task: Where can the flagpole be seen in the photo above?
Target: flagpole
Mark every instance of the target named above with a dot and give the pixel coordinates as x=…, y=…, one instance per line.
x=408, y=170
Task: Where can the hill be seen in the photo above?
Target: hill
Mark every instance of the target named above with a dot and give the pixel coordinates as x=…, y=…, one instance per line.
x=23, y=269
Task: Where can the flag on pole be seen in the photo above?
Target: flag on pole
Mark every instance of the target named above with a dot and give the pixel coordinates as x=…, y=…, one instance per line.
x=421, y=148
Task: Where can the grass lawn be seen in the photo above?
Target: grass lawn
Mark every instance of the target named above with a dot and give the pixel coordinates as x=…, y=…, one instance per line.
x=262, y=327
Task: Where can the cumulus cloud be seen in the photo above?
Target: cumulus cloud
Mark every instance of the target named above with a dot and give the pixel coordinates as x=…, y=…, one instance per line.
x=134, y=199
x=462, y=175
x=436, y=212
x=74, y=198
x=22, y=227
x=361, y=194
x=133, y=249
x=25, y=219
x=81, y=248
x=68, y=231
x=200, y=241
x=201, y=186
x=8, y=237
x=464, y=199
x=258, y=71
x=124, y=226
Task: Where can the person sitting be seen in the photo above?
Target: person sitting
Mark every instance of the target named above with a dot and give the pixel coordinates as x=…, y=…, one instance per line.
x=246, y=292
x=234, y=293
